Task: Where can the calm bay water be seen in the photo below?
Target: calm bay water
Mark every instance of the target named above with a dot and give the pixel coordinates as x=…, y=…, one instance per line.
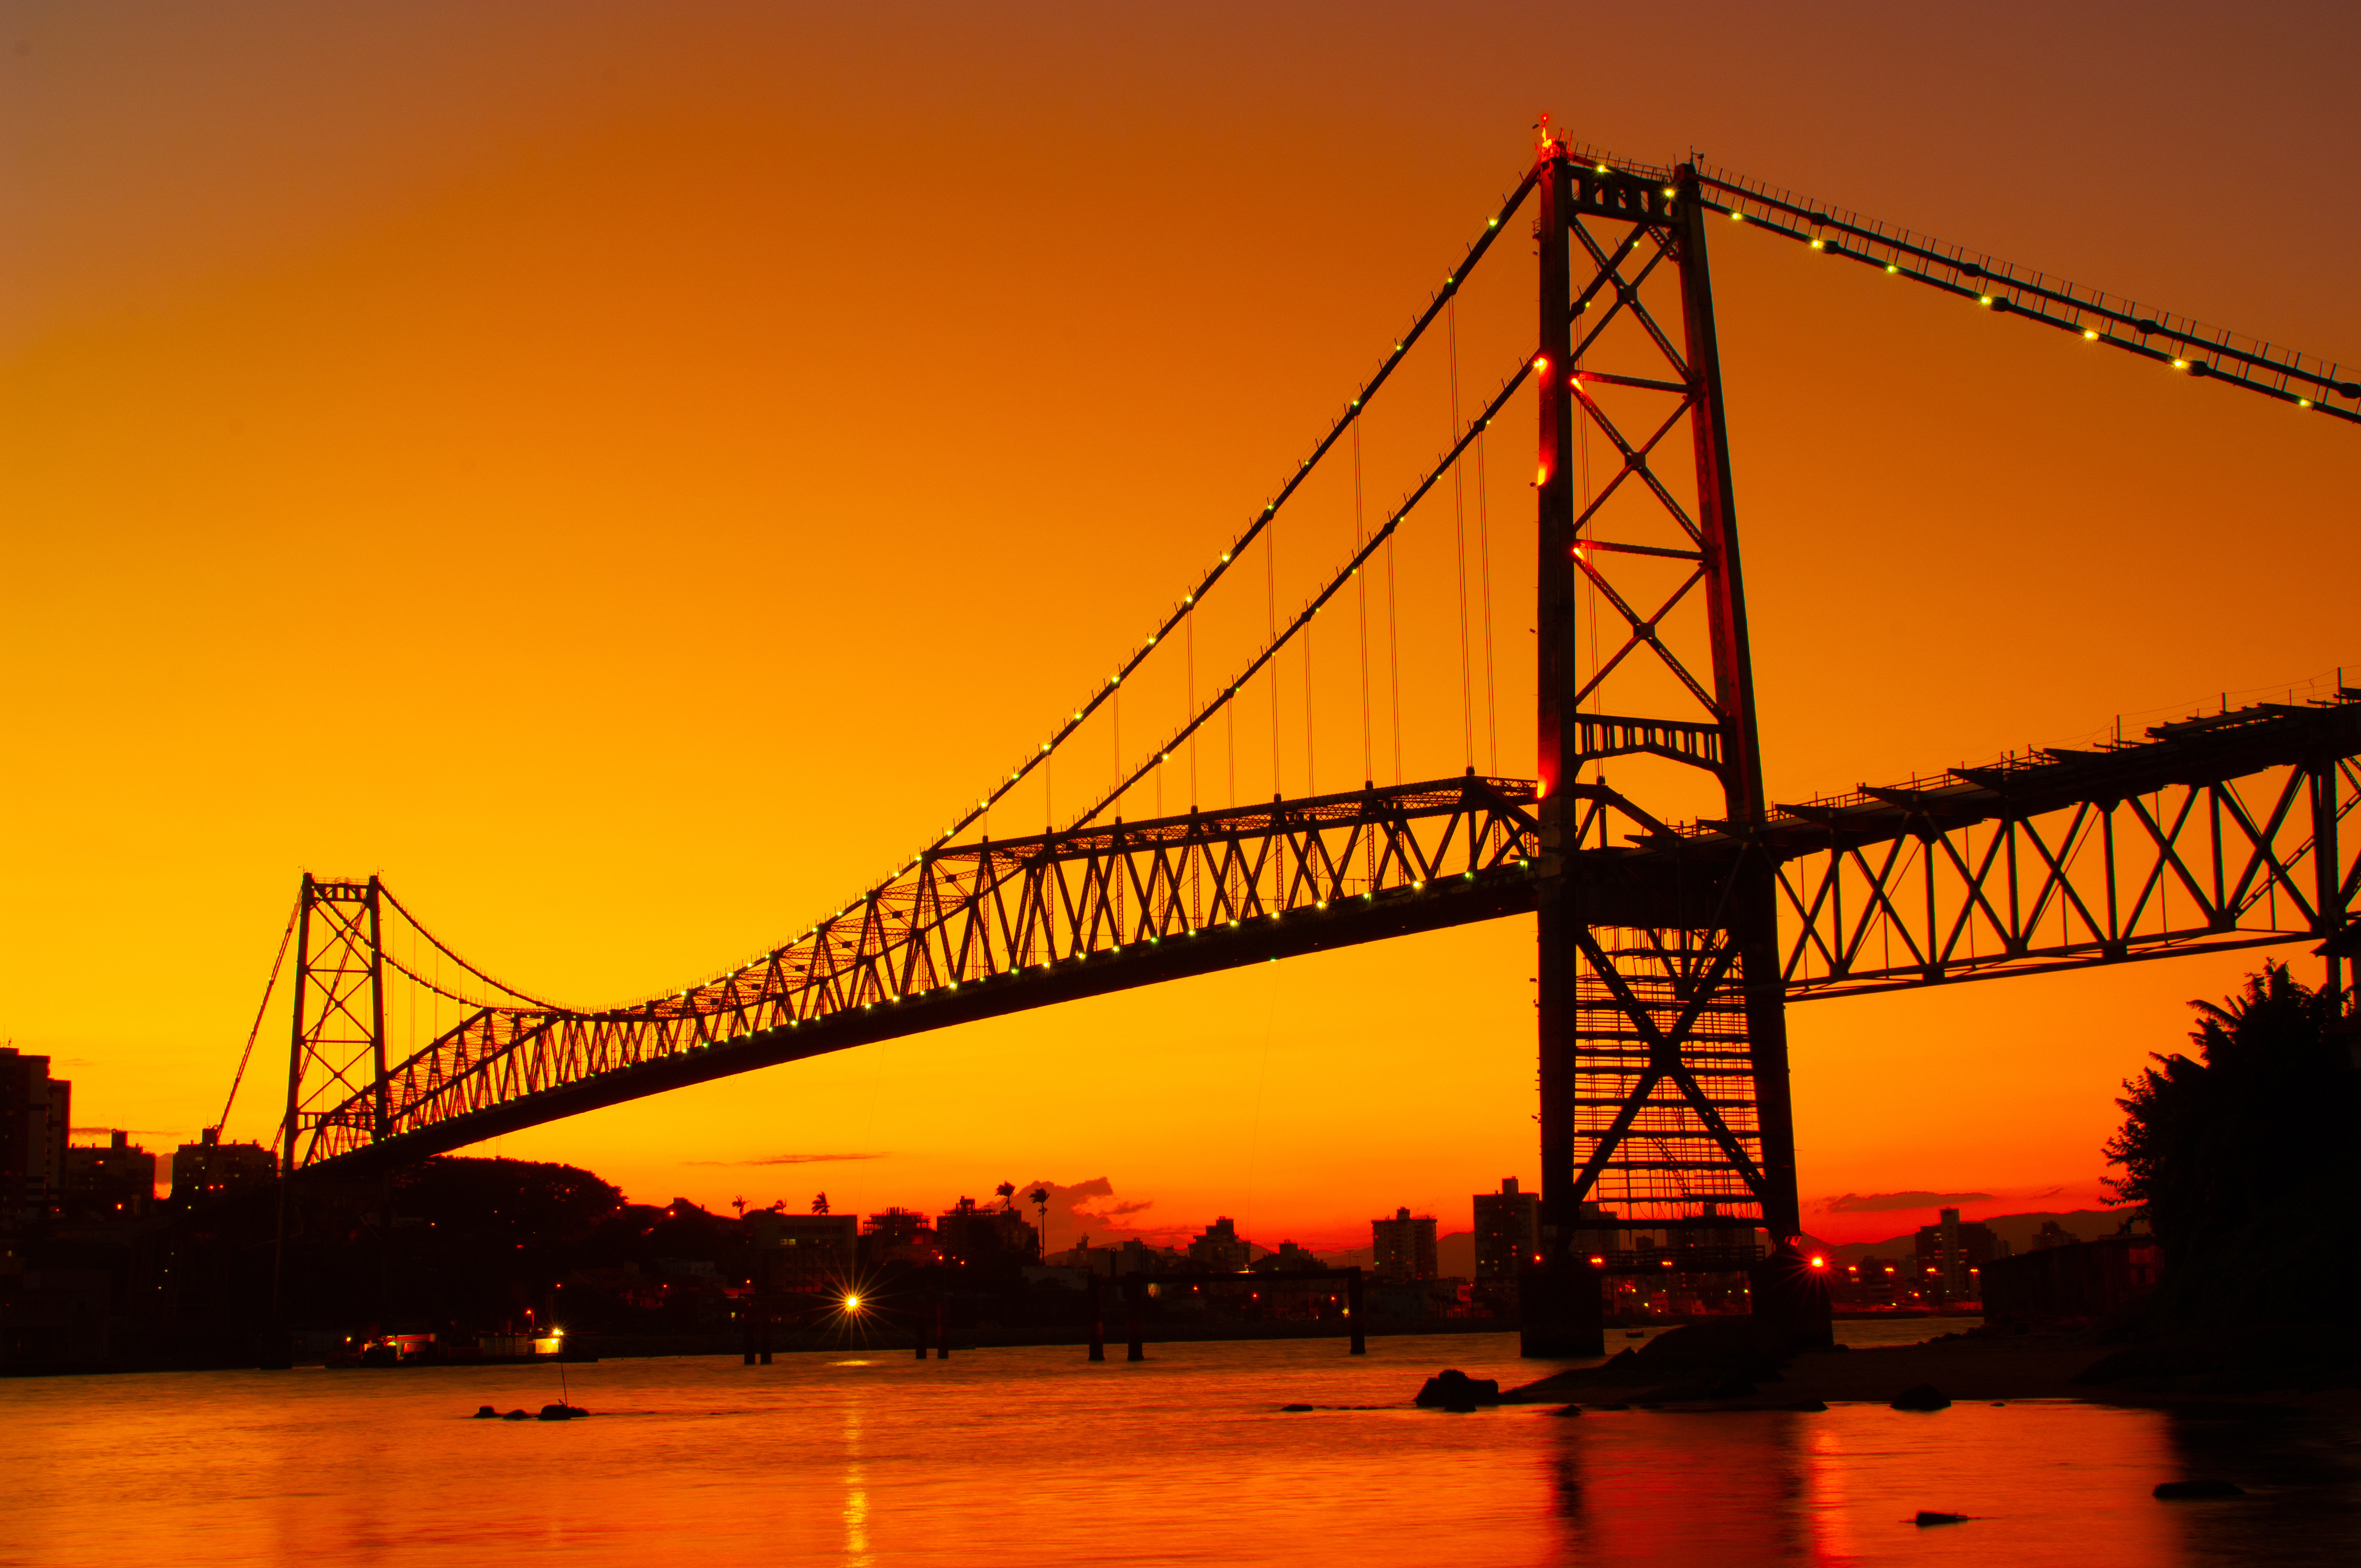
x=1034, y=1456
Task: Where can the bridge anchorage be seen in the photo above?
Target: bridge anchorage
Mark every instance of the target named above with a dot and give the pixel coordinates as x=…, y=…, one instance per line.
x=1679, y=911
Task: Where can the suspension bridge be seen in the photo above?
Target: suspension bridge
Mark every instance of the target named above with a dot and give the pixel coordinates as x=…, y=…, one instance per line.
x=1679, y=910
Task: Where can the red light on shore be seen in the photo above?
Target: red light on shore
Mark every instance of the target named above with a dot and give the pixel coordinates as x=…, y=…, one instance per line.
x=1819, y=1262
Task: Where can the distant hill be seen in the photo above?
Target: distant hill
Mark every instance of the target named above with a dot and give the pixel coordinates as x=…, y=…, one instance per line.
x=2017, y=1230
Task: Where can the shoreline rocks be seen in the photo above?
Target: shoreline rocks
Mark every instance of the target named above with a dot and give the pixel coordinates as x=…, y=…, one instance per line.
x=1451, y=1389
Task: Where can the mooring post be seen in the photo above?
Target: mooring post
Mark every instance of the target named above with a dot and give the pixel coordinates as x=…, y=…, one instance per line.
x=1353, y=1313
x=1131, y=1293
x=942, y=1327
x=1098, y=1318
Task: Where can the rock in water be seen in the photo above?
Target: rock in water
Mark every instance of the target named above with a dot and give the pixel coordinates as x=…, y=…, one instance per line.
x=517, y=1416
x=2170, y=1490
x=485, y=1413
x=559, y=1412
x=1924, y=1397
x=1292, y=1410
x=1569, y=1410
x=1928, y=1516
x=1454, y=1390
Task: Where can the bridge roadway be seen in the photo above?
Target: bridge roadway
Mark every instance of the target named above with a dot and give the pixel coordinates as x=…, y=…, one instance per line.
x=2027, y=852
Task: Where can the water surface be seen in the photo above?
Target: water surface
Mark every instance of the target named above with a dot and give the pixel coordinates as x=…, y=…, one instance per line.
x=1034, y=1456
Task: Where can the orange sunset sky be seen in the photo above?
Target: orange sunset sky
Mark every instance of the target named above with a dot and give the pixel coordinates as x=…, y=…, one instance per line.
x=626, y=474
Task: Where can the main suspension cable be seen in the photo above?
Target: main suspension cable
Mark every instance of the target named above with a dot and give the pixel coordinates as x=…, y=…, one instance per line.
x=256, y=1033
x=1494, y=227
x=1335, y=585
x=2178, y=342
x=503, y=987
x=1258, y=528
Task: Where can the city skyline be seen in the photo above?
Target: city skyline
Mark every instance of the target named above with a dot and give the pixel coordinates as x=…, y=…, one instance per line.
x=483, y=473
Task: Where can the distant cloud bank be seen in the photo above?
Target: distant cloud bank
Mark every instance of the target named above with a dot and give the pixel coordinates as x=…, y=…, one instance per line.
x=790, y=1159
x=1885, y=1203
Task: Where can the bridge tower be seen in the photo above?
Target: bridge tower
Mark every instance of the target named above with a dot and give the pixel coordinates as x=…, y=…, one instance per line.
x=336, y=1083
x=1667, y=1131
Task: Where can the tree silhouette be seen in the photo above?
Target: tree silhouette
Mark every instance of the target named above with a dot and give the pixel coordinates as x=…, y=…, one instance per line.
x=2244, y=1159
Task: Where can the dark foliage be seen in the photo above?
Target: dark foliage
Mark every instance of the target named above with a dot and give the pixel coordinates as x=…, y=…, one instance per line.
x=2244, y=1159
x=474, y=1241
x=507, y=1201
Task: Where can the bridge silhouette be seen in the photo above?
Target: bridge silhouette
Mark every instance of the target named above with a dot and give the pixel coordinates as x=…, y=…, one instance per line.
x=1680, y=911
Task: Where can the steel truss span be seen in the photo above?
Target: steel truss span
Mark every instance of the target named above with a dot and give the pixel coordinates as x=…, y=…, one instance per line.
x=2218, y=832
x=971, y=932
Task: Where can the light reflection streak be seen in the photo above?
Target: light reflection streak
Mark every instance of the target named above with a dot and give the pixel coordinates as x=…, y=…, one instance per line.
x=856, y=1490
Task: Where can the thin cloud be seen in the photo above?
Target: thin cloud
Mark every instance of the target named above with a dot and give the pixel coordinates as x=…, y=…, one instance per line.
x=1089, y=1207
x=1888, y=1203
x=790, y=1159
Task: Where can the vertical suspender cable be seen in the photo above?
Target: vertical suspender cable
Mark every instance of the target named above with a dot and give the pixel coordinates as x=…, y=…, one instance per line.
x=1192, y=708
x=1361, y=596
x=1459, y=548
x=1229, y=719
x=1310, y=774
x=1270, y=599
x=1393, y=656
x=1484, y=557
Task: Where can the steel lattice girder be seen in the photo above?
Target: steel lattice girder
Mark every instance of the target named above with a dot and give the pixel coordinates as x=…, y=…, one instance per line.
x=2221, y=836
x=2216, y=833
x=982, y=930
x=2106, y=847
